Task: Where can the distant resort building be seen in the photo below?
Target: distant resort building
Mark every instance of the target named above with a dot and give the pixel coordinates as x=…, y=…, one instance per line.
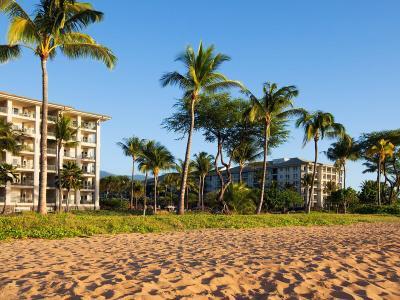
x=285, y=172
x=23, y=193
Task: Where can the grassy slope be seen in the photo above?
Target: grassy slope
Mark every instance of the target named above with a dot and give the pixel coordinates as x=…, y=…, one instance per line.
x=89, y=223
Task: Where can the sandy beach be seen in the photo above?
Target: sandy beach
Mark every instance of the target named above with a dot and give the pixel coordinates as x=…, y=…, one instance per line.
x=347, y=262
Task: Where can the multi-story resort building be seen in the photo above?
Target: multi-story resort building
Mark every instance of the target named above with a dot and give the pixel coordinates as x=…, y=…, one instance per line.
x=23, y=193
x=285, y=172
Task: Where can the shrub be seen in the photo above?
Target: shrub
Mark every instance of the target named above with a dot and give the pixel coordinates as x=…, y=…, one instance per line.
x=375, y=209
x=240, y=199
x=114, y=204
x=282, y=199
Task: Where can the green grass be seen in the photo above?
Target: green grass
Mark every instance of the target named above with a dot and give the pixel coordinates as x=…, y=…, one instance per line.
x=79, y=224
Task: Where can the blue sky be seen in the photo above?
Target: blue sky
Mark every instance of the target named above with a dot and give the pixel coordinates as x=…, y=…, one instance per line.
x=343, y=56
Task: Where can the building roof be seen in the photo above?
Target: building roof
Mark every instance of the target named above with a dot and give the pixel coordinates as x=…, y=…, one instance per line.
x=54, y=105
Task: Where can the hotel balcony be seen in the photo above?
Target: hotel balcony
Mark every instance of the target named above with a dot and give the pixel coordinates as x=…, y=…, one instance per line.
x=88, y=126
x=52, y=151
x=51, y=168
x=24, y=182
x=3, y=110
x=24, y=114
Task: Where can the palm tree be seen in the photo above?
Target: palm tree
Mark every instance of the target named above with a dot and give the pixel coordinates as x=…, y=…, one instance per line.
x=179, y=167
x=159, y=159
x=64, y=137
x=132, y=147
x=137, y=192
x=201, y=76
x=306, y=181
x=382, y=150
x=145, y=167
x=202, y=165
x=247, y=152
x=55, y=25
x=7, y=174
x=342, y=151
x=317, y=126
x=275, y=105
x=71, y=178
x=9, y=138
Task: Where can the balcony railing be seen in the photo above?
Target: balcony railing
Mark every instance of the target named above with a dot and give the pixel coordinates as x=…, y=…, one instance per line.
x=3, y=109
x=52, y=118
x=24, y=130
x=51, y=133
x=26, y=148
x=24, y=182
x=90, y=126
x=69, y=154
x=51, y=150
x=88, y=140
x=26, y=114
x=86, y=171
x=88, y=186
x=25, y=166
x=22, y=200
x=51, y=167
x=88, y=156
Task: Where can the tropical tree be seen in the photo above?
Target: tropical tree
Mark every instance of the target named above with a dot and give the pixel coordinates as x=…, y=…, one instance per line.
x=201, y=76
x=71, y=178
x=137, y=192
x=159, y=159
x=247, y=152
x=190, y=183
x=382, y=150
x=317, y=126
x=64, y=137
x=202, y=165
x=144, y=166
x=132, y=147
x=341, y=151
x=10, y=138
x=7, y=174
x=306, y=181
x=55, y=25
x=275, y=105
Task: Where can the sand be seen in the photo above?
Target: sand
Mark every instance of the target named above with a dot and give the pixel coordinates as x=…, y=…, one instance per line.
x=348, y=262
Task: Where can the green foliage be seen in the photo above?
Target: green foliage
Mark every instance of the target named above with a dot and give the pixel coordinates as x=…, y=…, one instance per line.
x=240, y=199
x=80, y=224
x=369, y=191
x=376, y=209
x=282, y=199
x=343, y=198
x=114, y=204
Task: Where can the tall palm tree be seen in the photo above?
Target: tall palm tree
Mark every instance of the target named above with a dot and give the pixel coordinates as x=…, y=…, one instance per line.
x=201, y=76
x=382, y=150
x=306, y=181
x=275, y=105
x=64, y=137
x=159, y=159
x=247, y=152
x=137, y=192
x=7, y=174
x=317, y=126
x=71, y=178
x=54, y=25
x=145, y=167
x=203, y=164
x=132, y=147
x=342, y=151
x=190, y=183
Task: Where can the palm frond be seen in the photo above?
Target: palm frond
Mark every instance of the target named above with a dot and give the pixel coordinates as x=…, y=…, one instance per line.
x=8, y=52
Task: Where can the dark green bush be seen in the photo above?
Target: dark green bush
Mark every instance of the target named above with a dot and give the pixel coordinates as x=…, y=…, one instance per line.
x=376, y=209
x=240, y=199
x=114, y=204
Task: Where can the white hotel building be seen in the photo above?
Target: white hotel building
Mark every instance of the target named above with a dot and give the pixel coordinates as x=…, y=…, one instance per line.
x=23, y=193
x=285, y=171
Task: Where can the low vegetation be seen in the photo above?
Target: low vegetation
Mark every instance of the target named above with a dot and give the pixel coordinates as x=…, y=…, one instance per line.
x=81, y=224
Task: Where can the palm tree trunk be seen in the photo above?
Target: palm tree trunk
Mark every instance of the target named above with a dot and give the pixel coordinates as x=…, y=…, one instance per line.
x=202, y=192
x=344, y=175
x=155, y=194
x=42, y=207
x=187, y=197
x=240, y=173
x=200, y=184
x=145, y=194
x=311, y=196
x=132, y=178
x=181, y=209
x=68, y=194
x=379, y=183
x=59, y=177
x=264, y=168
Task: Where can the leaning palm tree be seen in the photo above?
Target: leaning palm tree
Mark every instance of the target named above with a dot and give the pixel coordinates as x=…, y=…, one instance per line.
x=7, y=174
x=159, y=159
x=71, y=179
x=64, y=137
x=382, y=150
x=275, y=105
x=317, y=126
x=132, y=147
x=54, y=25
x=203, y=164
x=201, y=76
x=342, y=151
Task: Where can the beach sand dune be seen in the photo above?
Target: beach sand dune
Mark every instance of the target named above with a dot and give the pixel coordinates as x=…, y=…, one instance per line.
x=347, y=262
